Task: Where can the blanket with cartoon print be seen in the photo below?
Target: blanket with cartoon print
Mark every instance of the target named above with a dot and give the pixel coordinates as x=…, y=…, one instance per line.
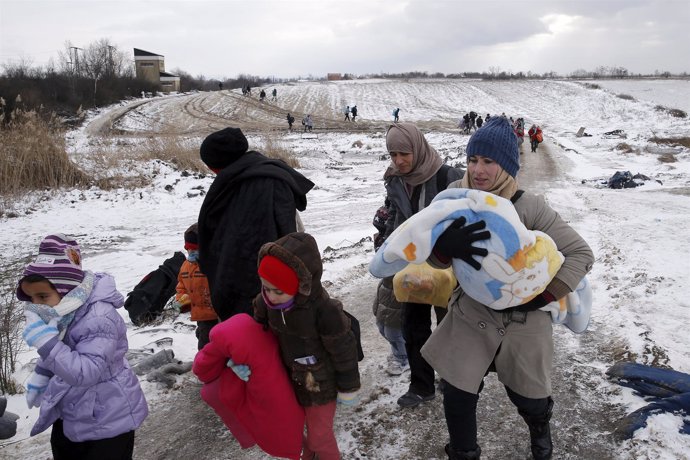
x=519, y=265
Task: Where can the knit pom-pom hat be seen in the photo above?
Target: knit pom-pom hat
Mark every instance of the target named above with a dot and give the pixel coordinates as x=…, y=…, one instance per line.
x=496, y=140
x=58, y=261
x=222, y=148
x=279, y=274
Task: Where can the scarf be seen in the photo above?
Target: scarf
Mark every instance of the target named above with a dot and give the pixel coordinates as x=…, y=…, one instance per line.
x=68, y=305
x=407, y=138
x=505, y=185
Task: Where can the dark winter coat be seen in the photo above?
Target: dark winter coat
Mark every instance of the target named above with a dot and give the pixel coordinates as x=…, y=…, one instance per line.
x=314, y=326
x=251, y=202
x=386, y=308
x=403, y=206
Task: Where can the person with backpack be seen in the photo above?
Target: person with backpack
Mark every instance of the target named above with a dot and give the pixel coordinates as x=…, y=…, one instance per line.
x=317, y=344
x=252, y=200
x=354, y=112
x=535, y=137
x=290, y=120
x=193, y=293
x=517, y=342
x=480, y=122
x=82, y=382
x=413, y=178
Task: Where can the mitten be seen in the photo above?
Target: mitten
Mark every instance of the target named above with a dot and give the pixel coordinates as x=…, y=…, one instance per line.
x=539, y=301
x=241, y=370
x=347, y=399
x=456, y=241
x=37, y=333
x=35, y=387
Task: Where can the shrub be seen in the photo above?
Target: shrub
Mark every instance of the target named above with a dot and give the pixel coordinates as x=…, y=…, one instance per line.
x=626, y=97
x=11, y=318
x=34, y=156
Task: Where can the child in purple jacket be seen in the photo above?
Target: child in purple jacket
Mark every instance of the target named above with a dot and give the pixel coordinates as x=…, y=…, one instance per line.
x=82, y=382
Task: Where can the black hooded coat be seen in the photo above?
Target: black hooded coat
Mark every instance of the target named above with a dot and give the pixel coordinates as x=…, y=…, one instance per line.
x=251, y=202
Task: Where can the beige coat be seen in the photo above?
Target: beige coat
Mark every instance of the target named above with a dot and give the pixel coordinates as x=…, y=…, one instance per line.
x=472, y=336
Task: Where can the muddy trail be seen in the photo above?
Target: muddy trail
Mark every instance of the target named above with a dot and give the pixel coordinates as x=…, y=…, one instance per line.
x=181, y=426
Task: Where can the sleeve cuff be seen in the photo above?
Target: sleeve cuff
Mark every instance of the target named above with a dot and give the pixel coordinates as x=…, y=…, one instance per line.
x=45, y=349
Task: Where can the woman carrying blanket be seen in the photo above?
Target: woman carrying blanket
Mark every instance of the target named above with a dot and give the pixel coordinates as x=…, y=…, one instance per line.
x=516, y=342
x=416, y=174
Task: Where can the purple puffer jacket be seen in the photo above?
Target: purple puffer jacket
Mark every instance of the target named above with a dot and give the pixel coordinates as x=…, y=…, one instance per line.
x=93, y=390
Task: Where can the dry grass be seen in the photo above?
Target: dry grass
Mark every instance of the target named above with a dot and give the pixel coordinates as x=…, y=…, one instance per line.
x=273, y=148
x=673, y=141
x=624, y=148
x=34, y=157
x=173, y=150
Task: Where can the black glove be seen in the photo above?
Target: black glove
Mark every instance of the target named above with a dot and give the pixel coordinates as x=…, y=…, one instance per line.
x=539, y=301
x=456, y=241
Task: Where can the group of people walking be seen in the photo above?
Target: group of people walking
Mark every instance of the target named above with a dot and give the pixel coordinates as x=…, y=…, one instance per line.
x=269, y=272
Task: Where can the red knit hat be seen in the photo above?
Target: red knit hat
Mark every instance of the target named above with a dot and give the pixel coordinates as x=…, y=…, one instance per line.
x=276, y=272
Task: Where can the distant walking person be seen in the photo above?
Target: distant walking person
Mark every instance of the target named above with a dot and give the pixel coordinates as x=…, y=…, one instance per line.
x=290, y=120
x=308, y=123
x=396, y=112
x=354, y=112
x=346, y=110
x=535, y=137
x=262, y=95
x=479, y=122
x=274, y=95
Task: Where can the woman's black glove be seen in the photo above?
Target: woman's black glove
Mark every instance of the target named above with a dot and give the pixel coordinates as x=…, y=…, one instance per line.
x=456, y=241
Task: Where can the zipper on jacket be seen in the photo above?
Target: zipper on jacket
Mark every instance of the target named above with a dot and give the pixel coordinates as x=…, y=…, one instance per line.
x=283, y=316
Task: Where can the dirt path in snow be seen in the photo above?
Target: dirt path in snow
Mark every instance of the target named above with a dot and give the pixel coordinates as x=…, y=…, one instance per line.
x=181, y=426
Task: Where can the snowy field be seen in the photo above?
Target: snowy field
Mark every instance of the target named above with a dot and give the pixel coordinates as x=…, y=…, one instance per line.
x=639, y=236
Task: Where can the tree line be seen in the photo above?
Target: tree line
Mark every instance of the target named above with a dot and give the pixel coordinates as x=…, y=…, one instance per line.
x=100, y=74
x=85, y=77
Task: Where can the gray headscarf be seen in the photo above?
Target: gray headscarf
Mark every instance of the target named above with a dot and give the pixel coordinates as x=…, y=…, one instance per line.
x=407, y=138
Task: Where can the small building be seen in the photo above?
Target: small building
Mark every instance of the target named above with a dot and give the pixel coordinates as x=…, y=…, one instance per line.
x=334, y=76
x=151, y=67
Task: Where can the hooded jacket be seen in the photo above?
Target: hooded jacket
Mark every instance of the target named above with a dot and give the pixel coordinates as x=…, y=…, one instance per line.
x=315, y=326
x=251, y=202
x=93, y=390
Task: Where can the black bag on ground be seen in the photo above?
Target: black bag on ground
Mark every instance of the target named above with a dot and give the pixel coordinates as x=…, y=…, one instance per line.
x=354, y=327
x=148, y=298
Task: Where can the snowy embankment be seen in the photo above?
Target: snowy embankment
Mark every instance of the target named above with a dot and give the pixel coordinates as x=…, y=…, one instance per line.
x=638, y=235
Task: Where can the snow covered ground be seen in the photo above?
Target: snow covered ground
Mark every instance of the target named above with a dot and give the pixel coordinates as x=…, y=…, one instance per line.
x=639, y=237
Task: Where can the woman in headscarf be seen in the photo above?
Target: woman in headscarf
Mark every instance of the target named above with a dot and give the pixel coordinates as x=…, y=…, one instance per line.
x=416, y=174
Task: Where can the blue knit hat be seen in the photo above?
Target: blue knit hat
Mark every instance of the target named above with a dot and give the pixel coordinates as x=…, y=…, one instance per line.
x=496, y=140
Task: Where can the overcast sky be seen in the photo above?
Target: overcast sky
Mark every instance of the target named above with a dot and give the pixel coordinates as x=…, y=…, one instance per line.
x=291, y=38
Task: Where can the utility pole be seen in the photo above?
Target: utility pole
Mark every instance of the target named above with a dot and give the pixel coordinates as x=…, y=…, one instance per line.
x=76, y=58
x=110, y=61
